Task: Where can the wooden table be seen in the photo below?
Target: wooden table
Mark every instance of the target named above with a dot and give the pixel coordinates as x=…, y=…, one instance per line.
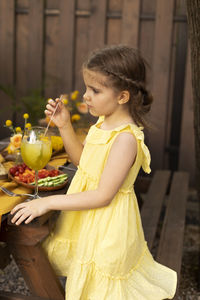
x=24, y=243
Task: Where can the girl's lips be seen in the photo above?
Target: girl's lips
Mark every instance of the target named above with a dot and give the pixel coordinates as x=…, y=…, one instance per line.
x=89, y=106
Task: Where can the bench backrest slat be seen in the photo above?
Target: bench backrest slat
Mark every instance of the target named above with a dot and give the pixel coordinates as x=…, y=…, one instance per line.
x=151, y=208
x=171, y=240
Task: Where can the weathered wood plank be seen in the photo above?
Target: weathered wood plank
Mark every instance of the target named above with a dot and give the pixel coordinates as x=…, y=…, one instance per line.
x=161, y=71
x=82, y=41
x=22, y=49
x=186, y=158
x=113, y=36
x=97, y=24
x=7, y=50
x=22, y=4
x=52, y=40
x=66, y=45
x=148, y=7
x=153, y=203
x=7, y=19
x=35, y=53
x=146, y=45
x=171, y=240
x=130, y=22
x=22, y=41
x=114, y=5
x=113, y=27
x=178, y=83
x=52, y=4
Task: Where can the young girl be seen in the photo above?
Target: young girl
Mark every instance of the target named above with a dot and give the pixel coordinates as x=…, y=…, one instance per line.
x=98, y=240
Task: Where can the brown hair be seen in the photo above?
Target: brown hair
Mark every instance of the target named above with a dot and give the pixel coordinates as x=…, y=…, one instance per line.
x=126, y=70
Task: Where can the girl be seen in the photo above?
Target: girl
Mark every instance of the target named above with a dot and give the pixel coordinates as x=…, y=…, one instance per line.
x=98, y=240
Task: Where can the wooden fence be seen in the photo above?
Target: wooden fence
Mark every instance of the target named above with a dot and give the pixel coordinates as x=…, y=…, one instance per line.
x=47, y=41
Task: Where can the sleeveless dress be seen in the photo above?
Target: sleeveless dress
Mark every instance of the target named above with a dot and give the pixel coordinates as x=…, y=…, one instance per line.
x=103, y=251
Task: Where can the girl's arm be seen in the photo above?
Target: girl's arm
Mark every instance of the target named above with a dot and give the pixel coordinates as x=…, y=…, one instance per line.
x=61, y=118
x=120, y=160
x=73, y=146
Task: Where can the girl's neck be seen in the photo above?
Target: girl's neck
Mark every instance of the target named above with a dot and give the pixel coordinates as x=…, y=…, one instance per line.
x=115, y=120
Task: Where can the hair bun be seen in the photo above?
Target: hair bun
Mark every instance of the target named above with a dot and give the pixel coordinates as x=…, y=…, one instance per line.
x=147, y=100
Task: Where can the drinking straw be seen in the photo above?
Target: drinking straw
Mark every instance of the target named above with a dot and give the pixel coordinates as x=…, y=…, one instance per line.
x=52, y=115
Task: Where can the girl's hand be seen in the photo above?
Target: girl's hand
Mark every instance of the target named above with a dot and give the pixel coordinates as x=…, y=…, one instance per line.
x=61, y=117
x=29, y=210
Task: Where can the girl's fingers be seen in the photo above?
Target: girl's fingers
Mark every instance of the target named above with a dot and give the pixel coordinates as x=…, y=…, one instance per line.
x=48, y=113
x=50, y=107
x=18, y=215
x=52, y=102
x=17, y=207
x=29, y=219
x=22, y=218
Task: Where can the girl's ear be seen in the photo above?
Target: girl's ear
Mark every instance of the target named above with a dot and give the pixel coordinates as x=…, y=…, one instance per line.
x=124, y=97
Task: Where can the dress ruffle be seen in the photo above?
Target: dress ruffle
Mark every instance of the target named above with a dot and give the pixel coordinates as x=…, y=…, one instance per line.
x=146, y=278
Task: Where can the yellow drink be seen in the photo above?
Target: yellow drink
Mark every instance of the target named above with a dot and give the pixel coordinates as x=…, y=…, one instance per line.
x=36, y=155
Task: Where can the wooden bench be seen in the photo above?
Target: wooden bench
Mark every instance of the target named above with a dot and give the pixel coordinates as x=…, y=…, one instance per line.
x=165, y=195
x=163, y=216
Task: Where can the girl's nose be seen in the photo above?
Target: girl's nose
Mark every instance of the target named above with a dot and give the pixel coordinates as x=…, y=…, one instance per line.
x=86, y=97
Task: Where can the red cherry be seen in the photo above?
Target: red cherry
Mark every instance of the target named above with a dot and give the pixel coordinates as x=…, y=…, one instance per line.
x=12, y=171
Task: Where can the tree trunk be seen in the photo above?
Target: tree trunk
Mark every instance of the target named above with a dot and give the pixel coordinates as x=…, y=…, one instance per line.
x=193, y=15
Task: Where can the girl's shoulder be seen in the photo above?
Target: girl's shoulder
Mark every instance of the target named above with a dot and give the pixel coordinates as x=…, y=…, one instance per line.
x=99, y=135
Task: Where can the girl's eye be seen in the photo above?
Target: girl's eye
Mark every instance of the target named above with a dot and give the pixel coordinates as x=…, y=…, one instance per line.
x=95, y=90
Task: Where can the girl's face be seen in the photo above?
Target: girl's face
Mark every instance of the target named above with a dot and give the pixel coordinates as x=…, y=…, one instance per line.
x=101, y=100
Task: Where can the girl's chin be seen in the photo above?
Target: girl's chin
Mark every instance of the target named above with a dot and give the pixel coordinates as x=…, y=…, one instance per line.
x=93, y=113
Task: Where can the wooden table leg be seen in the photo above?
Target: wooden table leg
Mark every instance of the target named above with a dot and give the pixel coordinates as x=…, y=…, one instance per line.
x=24, y=244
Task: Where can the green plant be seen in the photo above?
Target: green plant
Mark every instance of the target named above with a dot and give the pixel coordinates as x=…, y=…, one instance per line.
x=10, y=91
x=34, y=103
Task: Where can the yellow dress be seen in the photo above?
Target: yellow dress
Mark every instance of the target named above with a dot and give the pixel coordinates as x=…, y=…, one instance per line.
x=103, y=251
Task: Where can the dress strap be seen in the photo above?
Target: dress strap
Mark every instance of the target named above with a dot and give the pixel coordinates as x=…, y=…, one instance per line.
x=139, y=134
